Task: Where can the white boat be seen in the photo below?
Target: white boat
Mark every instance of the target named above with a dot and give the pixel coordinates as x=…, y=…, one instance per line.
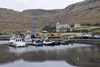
x=38, y=42
x=48, y=42
x=11, y=41
x=17, y=42
x=28, y=39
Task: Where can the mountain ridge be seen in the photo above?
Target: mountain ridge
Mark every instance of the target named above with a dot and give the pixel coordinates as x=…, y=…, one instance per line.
x=84, y=12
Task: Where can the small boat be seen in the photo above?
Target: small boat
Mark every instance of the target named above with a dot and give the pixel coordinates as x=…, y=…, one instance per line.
x=19, y=43
x=28, y=39
x=11, y=41
x=16, y=42
x=38, y=42
x=48, y=42
x=57, y=42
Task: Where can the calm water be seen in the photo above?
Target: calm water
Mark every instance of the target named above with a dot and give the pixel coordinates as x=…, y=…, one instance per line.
x=77, y=55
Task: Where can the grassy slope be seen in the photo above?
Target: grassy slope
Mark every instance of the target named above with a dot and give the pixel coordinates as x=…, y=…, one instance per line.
x=83, y=12
x=86, y=28
x=62, y=34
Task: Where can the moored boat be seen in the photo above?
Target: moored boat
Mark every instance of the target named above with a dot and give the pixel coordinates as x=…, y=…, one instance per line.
x=16, y=42
x=48, y=42
x=11, y=41
x=28, y=39
x=38, y=42
x=19, y=42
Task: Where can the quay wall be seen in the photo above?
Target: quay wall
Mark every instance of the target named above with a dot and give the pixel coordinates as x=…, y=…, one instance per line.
x=4, y=38
x=87, y=41
x=83, y=41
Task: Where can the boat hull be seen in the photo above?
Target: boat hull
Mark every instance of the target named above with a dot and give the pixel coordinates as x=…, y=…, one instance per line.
x=49, y=43
x=11, y=43
x=20, y=44
x=38, y=44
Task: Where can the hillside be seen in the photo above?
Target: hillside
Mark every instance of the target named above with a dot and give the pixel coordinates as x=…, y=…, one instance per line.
x=86, y=12
x=11, y=20
x=41, y=12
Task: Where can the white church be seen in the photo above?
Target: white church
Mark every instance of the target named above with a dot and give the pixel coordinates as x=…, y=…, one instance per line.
x=62, y=28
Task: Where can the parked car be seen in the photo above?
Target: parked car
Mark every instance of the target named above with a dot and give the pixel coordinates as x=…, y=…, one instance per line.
x=84, y=35
x=97, y=36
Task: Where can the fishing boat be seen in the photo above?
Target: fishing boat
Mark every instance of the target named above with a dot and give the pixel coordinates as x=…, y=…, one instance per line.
x=19, y=42
x=11, y=41
x=38, y=42
x=16, y=42
x=48, y=42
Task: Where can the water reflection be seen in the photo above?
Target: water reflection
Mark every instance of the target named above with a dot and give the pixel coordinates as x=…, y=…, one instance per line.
x=3, y=42
x=80, y=55
x=37, y=64
x=20, y=51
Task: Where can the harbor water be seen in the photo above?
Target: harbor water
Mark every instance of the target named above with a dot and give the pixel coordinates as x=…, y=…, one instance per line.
x=76, y=55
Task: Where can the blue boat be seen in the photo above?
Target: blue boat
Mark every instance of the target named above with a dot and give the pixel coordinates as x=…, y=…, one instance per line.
x=38, y=42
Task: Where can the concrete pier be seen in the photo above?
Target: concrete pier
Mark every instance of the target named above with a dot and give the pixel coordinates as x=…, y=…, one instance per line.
x=4, y=38
x=87, y=41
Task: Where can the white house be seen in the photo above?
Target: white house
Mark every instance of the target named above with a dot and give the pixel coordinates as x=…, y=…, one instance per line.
x=62, y=28
x=77, y=25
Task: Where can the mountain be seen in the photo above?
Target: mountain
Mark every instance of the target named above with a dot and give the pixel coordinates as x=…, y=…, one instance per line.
x=85, y=12
x=41, y=12
x=11, y=20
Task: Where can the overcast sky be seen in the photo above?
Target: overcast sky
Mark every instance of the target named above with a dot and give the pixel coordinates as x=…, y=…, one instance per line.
x=20, y=5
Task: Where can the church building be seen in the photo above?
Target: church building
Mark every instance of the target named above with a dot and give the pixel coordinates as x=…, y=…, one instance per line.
x=62, y=27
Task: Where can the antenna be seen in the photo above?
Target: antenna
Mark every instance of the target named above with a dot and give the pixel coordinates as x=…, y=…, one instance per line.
x=34, y=24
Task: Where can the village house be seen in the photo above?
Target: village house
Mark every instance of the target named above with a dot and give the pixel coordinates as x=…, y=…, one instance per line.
x=62, y=27
x=77, y=25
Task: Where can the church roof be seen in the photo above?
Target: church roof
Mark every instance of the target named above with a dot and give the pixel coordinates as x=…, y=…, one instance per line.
x=64, y=26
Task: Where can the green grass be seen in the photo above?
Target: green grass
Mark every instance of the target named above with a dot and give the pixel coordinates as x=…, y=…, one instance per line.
x=86, y=28
x=62, y=34
x=97, y=30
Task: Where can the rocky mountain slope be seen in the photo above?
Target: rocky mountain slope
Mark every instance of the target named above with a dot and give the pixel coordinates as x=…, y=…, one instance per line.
x=84, y=12
x=41, y=12
x=11, y=20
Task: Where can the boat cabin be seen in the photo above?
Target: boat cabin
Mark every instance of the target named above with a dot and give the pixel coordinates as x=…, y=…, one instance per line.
x=55, y=37
x=13, y=38
x=19, y=40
